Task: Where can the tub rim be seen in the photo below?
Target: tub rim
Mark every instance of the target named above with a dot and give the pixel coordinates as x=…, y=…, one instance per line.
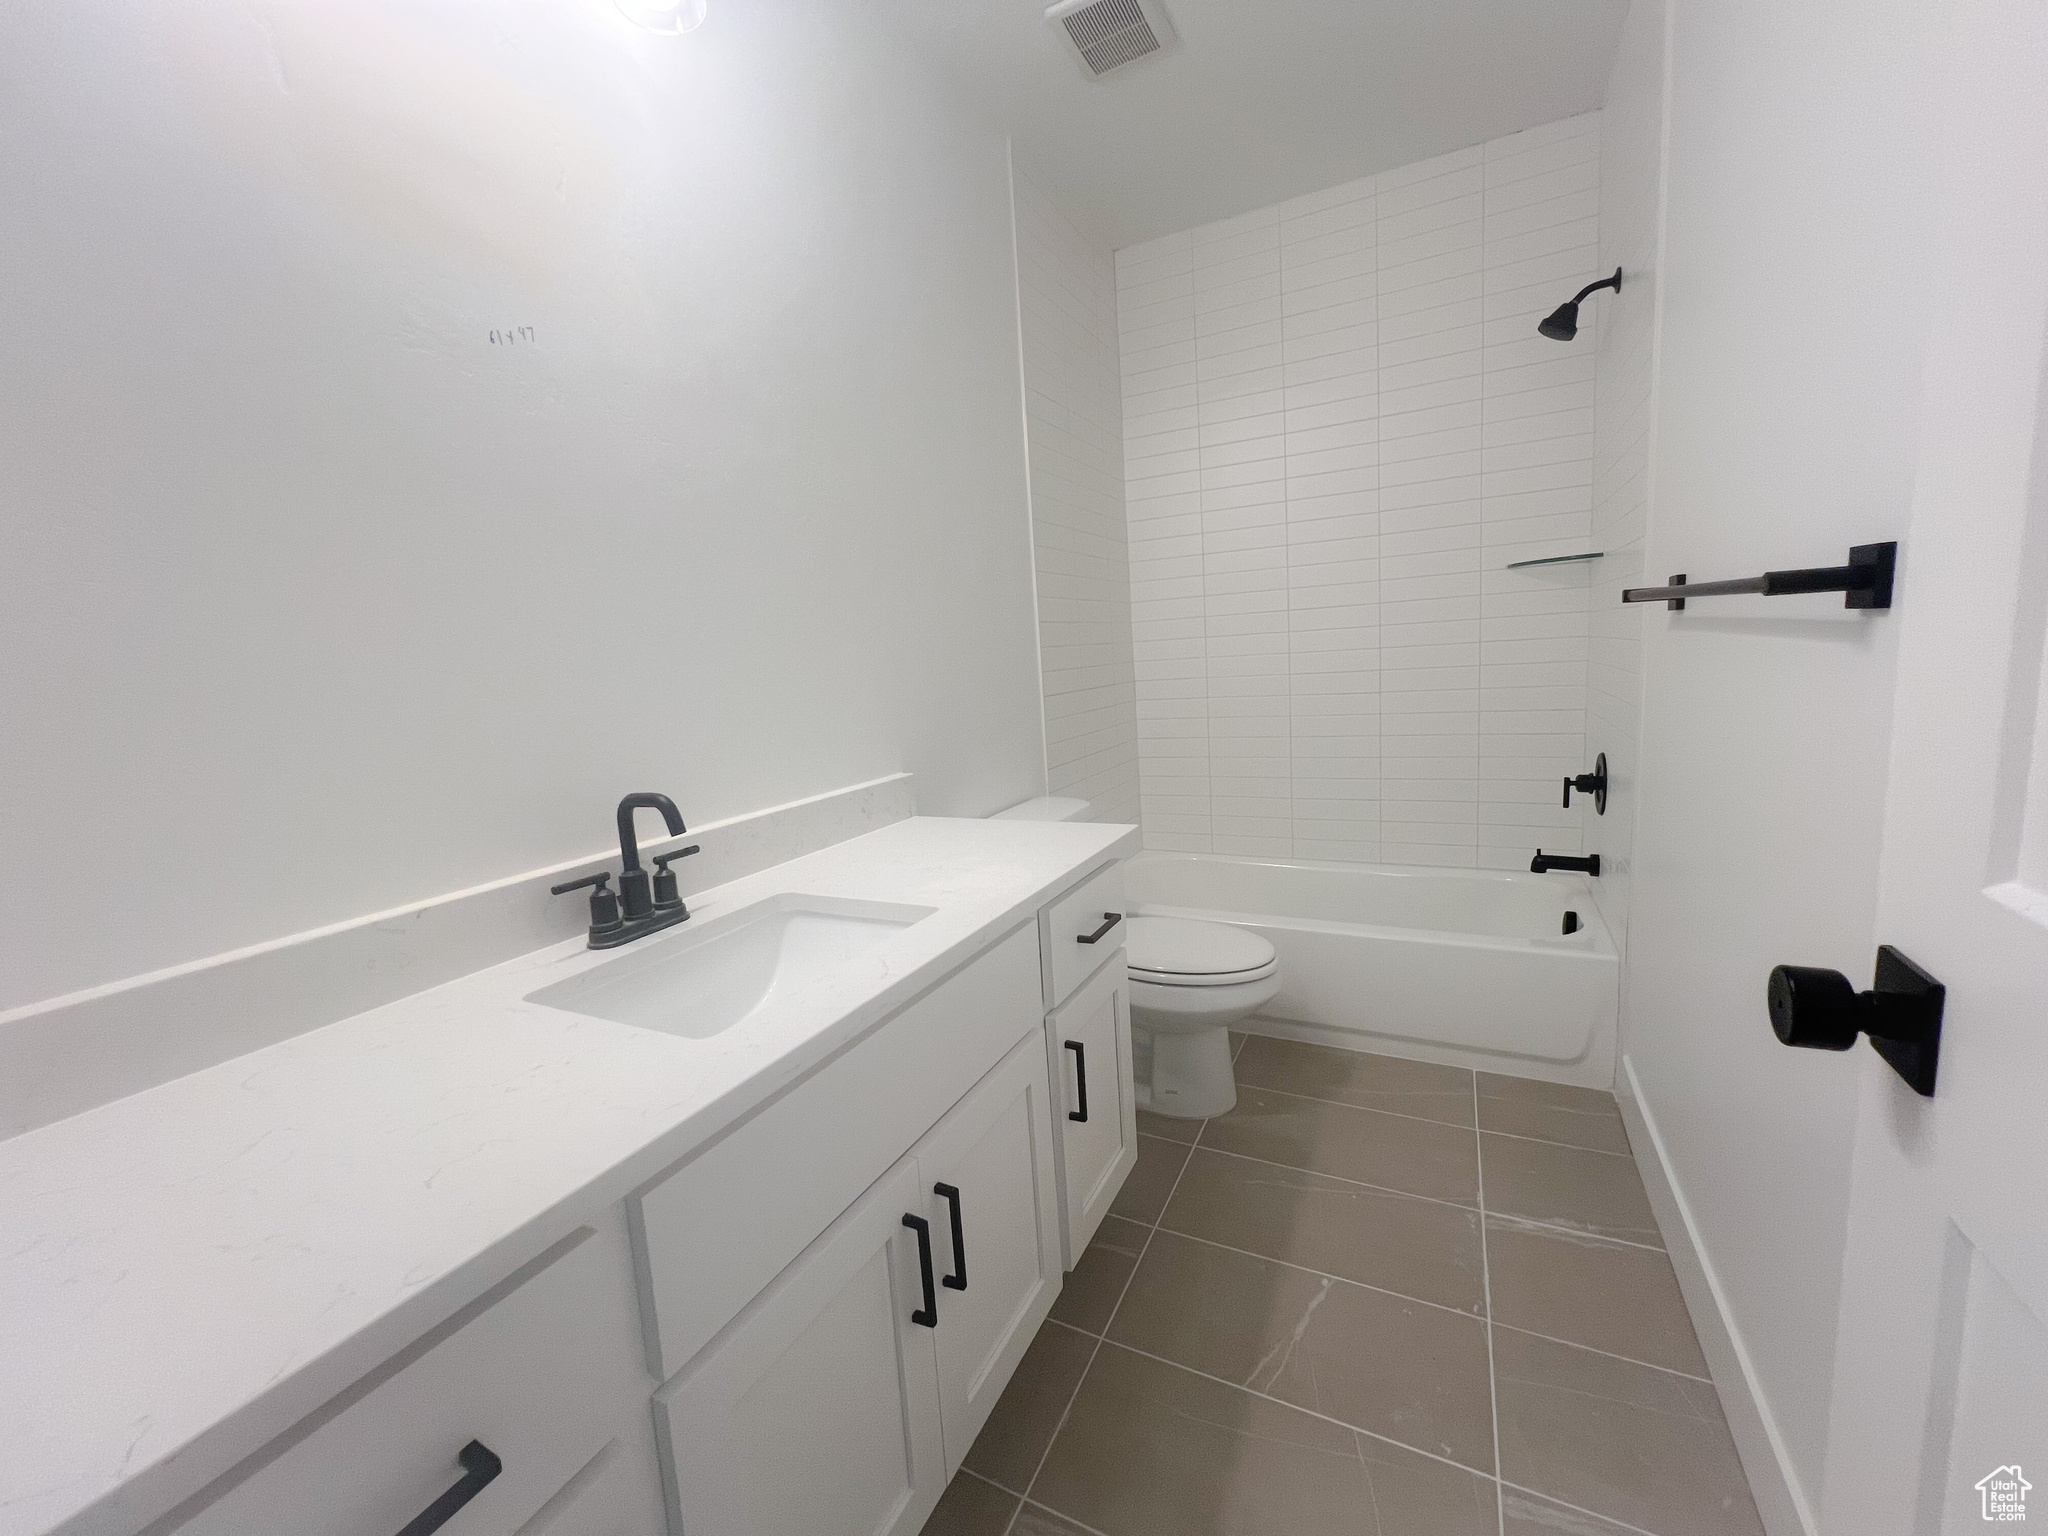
x=1598, y=939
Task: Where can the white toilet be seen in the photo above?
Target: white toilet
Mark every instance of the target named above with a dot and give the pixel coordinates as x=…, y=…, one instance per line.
x=1190, y=981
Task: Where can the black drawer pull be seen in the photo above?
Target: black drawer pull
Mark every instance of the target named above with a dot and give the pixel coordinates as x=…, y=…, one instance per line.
x=928, y=1314
x=1109, y=921
x=1080, y=1081
x=480, y=1465
x=956, y=1281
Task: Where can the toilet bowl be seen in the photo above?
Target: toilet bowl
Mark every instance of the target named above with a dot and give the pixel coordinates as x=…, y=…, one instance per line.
x=1190, y=981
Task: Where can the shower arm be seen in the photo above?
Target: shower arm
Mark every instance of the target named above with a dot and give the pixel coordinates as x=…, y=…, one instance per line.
x=1613, y=282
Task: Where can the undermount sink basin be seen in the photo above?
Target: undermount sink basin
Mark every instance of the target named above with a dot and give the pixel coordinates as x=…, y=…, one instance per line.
x=702, y=981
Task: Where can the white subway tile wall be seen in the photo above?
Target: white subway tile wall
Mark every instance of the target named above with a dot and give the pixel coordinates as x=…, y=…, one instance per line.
x=1630, y=174
x=1340, y=425
x=1074, y=422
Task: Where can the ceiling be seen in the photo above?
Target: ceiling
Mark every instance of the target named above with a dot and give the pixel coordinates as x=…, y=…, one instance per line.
x=1263, y=99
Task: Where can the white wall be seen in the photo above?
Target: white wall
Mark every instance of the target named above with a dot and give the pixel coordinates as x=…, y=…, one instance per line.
x=316, y=601
x=1631, y=194
x=1066, y=295
x=1340, y=425
x=1794, y=263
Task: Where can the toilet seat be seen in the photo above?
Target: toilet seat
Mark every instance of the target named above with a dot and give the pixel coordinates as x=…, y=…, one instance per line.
x=1187, y=952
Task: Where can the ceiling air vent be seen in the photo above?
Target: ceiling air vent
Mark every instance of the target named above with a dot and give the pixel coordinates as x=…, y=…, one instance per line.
x=1107, y=34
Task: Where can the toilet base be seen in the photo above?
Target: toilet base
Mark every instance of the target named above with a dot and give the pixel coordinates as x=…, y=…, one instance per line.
x=1191, y=1075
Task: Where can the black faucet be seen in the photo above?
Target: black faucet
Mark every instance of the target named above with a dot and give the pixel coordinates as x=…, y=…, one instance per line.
x=633, y=895
x=644, y=911
x=1544, y=863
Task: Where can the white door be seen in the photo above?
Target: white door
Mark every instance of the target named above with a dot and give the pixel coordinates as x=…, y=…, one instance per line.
x=1941, y=1376
x=817, y=1414
x=1090, y=1039
x=989, y=1163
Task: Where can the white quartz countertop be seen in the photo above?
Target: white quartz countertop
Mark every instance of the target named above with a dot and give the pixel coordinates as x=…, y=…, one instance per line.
x=186, y=1272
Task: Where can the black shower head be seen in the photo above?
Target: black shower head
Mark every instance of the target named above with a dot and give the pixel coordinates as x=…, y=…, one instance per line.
x=1562, y=323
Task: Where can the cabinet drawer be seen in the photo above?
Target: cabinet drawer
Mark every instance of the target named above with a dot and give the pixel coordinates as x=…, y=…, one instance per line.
x=536, y=1377
x=712, y=1234
x=1074, y=917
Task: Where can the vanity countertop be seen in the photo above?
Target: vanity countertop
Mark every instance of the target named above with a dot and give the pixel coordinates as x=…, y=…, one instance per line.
x=188, y=1271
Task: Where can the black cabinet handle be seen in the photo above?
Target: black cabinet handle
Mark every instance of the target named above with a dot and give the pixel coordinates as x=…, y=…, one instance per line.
x=956, y=1281
x=480, y=1465
x=928, y=1314
x=1080, y=1080
x=1109, y=921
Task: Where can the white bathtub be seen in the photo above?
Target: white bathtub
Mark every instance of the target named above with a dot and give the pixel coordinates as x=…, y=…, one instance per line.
x=1467, y=967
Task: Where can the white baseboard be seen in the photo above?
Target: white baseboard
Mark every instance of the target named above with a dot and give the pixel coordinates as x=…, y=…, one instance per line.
x=1779, y=1503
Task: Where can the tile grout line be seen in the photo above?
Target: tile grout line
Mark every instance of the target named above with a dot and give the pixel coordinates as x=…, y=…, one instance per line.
x=1316, y=1173
x=1156, y=1225
x=1500, y=1515
x=1485, y=1321
x=1705, y=1381
x=1079, y=1381
x=1324, y=1274
x=1079, y=1525
x=1619, y=1525
x=1018, y=1513
x=1455, y=1125
x=1281, y=1402
x=1507, y=1219
x=1410, y=1061
x=1405, y=1194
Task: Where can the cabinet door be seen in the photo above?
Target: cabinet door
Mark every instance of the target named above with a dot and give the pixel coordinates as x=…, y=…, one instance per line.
x=816, y=1413
x=1089, y=1041
x=991, y=1159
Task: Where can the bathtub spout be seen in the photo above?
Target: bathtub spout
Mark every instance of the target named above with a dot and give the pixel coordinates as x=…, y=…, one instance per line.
x=1544, y=863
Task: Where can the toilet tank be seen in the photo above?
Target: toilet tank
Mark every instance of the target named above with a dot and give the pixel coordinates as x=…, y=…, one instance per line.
x=1048, y=808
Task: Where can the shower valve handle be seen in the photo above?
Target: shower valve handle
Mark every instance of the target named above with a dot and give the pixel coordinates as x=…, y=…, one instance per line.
x=1594, y=784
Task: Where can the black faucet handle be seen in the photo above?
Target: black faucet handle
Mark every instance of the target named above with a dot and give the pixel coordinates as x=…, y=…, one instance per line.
x=604, y=905
x=666, y=897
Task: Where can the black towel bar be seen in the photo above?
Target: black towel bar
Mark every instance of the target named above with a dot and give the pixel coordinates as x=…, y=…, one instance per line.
x=1867, y=579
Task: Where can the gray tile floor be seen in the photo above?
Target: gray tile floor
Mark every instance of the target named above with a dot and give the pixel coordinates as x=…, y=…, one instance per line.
x=1378, y=1298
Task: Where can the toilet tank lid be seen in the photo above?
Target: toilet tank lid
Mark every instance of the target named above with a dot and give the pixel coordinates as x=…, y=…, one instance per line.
x=1047, y=808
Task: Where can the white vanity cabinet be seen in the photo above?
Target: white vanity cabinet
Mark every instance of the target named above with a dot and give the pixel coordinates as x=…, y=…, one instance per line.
x=823, y=1303
x=845, y=1397
x=734, y=1214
